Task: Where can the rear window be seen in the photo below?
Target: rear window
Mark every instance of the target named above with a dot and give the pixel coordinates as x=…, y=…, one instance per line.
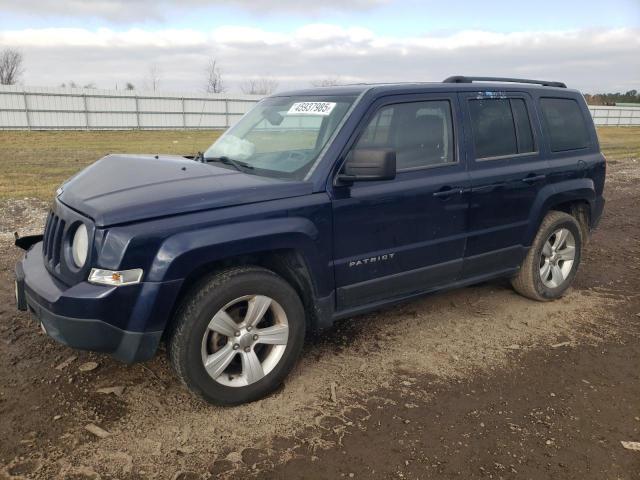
x=565, y=124
x=500, y=127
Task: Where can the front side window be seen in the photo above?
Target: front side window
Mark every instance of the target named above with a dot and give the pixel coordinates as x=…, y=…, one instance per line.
x=281, y=136
x=500, y=127
x=421, y=133
x=565, y=124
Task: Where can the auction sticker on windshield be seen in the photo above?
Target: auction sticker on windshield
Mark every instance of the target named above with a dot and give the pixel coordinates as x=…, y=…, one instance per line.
x=311, y=108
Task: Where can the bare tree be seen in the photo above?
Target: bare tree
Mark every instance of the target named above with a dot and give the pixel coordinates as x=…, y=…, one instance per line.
x=10, y=66
x=130, y=86
x=327, y=82
x=214, y=83
x=152, y=81
x=259, y=86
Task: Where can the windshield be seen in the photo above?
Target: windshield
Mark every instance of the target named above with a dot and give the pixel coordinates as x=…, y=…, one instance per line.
x=281, y=136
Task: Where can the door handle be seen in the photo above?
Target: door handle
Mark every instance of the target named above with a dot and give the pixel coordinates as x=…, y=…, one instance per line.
x=533, y=178
x=447, y=192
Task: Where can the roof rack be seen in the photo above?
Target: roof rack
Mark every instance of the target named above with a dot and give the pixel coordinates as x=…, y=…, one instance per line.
x=463, y=79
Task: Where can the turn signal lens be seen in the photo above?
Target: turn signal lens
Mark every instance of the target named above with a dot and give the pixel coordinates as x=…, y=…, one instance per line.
x=115, y=278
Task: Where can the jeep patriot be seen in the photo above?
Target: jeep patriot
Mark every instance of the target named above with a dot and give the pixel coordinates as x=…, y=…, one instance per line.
x=317, y=205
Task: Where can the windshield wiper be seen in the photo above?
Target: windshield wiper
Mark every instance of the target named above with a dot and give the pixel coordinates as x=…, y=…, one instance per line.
x=240, y=166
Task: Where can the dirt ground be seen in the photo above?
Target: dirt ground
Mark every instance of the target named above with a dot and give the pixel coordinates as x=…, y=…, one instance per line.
x=473, y=383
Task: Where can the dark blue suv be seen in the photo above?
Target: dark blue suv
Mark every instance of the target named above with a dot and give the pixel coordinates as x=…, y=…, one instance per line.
x=317, y=205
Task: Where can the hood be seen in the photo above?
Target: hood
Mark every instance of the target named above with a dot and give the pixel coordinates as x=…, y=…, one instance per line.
x=125, y=188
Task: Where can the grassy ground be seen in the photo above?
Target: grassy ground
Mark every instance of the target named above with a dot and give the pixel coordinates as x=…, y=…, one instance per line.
x=33, y=164
x=620, y=143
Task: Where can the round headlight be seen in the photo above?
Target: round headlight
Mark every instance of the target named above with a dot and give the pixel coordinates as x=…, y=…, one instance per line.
x=80, y=246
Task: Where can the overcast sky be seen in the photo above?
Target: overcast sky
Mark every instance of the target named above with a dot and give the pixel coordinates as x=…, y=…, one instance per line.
x=593, y=46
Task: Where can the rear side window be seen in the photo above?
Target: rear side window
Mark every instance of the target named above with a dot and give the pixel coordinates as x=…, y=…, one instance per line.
x=524, y=136
x=565, y=124
x=501, y=127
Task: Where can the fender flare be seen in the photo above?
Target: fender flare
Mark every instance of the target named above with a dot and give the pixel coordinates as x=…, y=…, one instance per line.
x=184, y=252
x=580, y=189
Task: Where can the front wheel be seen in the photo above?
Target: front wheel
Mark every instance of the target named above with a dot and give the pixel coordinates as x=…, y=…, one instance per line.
x=237, y=335
x=552, y=261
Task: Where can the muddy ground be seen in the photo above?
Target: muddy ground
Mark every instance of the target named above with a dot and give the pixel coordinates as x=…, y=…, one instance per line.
x=472, y=383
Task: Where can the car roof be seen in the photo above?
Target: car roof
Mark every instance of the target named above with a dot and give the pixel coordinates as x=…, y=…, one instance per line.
x=420, y=87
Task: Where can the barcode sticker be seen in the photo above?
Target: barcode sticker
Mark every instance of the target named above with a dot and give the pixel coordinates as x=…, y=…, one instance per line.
x=311, y=108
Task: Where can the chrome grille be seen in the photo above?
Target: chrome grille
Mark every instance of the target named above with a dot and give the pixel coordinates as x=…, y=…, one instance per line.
x=52, y=240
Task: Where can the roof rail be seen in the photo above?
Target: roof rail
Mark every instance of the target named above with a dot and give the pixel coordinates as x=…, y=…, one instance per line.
x=463, y=79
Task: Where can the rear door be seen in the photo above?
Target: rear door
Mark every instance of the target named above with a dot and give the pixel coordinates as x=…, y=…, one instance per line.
x=507, y=170
x=404, y=236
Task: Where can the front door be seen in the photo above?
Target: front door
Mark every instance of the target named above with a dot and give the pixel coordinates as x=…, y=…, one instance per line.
x=400, y=237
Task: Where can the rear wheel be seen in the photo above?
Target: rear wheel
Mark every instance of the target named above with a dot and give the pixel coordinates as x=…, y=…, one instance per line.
x=237, y=335
x=552, y=261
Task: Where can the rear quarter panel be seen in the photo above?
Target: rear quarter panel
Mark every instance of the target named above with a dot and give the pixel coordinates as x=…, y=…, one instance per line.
x=572, y=176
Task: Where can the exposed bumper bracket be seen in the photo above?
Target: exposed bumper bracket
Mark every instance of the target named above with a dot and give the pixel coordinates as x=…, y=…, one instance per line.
x=25, y=243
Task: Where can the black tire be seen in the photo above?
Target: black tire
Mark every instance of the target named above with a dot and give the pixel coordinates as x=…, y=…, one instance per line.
x=197, y=309
x=528, y=281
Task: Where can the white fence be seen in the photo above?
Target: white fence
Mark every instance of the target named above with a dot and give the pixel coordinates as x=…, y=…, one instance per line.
x=621, y=116
x=32, y=108
x=28, y=108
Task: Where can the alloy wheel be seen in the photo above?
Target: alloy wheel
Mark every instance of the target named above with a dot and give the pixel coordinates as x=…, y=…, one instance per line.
x=557, y=257
x=245, y=340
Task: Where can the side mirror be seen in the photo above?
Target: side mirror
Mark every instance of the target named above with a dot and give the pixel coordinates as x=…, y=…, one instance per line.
x=369, y=164
x=273, y=116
